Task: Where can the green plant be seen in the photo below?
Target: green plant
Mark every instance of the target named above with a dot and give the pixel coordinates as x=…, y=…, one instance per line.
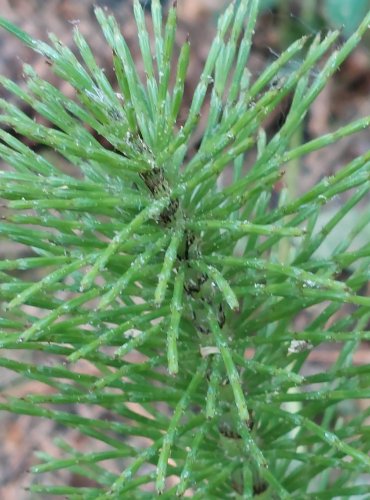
x=160, y=276
x=337, y=13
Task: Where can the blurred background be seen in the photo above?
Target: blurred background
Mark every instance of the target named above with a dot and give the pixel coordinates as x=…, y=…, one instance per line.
x=346, y=98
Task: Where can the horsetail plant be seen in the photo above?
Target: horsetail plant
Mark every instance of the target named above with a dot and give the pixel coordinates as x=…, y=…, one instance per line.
x=177, y=273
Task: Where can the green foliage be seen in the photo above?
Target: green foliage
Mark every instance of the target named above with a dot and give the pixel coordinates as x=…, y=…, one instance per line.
x=159, y=266
x=342, y=14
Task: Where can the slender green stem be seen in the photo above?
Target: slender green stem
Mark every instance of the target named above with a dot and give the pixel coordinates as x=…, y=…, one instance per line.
x=173, y=329
x=172, y=428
